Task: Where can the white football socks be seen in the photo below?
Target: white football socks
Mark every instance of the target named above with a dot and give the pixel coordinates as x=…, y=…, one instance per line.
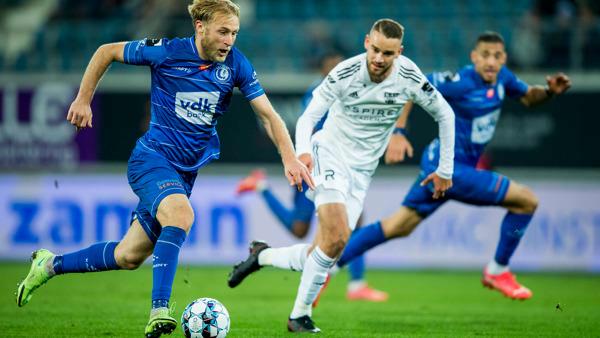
x=288, y=258
x=493, y=268
x=355, y=285
x=49, y=266
x=313, y=277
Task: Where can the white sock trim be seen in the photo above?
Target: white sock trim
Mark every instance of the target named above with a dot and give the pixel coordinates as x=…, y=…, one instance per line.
x=354, y=285
x=493, y=268
x=265, y=257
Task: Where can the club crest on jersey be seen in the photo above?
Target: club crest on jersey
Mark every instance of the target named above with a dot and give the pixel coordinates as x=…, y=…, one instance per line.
x=196, y=107
x=222, y=73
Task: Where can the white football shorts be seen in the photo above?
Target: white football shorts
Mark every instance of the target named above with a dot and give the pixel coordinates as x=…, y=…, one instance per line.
x=336, y=182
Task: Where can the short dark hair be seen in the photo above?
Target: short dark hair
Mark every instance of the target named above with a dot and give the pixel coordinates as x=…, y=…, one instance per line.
x=491, y=37
x=389, y=28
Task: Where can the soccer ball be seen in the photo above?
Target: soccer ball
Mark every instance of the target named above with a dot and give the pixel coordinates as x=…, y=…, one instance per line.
x=205, y=318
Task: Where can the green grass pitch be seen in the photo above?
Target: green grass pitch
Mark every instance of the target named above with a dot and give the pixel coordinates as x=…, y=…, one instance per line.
x=422, y=303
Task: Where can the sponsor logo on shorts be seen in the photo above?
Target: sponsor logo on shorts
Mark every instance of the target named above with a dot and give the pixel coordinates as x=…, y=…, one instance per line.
x=168, y=184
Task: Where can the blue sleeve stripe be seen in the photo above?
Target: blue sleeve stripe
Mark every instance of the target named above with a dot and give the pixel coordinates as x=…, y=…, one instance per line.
x=255, y=94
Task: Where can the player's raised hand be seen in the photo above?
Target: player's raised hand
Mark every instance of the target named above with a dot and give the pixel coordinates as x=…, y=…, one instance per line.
x=558, y=83
x=440, y=185
x=397, y=149
x=80, y=114
x=296, y=171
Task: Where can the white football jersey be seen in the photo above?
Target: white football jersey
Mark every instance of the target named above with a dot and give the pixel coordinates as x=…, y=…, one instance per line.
x=362, y=114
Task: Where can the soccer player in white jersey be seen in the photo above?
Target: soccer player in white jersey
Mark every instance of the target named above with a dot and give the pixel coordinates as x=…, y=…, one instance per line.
x=365, y=96
x=476, y=92
x=193, y=79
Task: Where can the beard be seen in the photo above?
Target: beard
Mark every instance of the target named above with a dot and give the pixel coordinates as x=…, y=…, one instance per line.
x=211, y=51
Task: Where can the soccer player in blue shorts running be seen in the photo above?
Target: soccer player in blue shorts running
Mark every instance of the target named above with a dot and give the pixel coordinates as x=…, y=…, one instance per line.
x=475, y=93
x=192, y=83
x=297, y=220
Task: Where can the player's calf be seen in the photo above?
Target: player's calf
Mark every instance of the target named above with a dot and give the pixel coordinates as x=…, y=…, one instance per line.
x=130, y=260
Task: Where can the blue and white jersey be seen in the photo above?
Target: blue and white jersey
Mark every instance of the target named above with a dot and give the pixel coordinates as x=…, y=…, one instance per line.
x=188, y=95
x=476, y=106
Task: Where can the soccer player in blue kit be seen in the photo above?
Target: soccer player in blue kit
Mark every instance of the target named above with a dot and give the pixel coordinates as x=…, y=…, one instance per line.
x=297, y=220
x=192, y=83
x=475, y=93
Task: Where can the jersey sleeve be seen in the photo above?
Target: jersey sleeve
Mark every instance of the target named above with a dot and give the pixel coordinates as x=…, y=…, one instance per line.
x=449, y=84
x=515, y=87
x=330, y=88
x=146, y=52
x=426, y=96
x=247, y=80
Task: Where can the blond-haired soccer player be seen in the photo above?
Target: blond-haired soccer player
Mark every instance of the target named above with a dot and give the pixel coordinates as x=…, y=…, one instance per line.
x=192, y=83
x=365, y=96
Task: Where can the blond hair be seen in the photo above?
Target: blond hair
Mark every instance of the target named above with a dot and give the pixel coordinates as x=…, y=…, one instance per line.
x=205, y=10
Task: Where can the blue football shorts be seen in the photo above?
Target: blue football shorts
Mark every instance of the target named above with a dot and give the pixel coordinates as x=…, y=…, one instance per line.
x=469, y=185
x=304, y=209
x=153, y=178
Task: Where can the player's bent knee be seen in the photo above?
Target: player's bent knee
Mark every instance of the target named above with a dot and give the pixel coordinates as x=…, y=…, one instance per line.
x=175, y=210
x=300, y=229
x=524, y=201
x=531, y=202
x=129, y=260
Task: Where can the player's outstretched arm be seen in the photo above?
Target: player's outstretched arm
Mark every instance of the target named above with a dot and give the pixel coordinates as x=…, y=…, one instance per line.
x=399, y=145
x=435, y=104
x=557, y=84
x=295, y=171
x=80, y=112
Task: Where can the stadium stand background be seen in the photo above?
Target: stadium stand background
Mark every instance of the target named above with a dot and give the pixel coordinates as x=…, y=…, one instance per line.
x=60, y=35
x=51, y=41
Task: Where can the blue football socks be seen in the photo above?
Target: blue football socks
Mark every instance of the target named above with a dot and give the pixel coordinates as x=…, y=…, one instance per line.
x=164, y=264
x=362, y=240
x=512, y=229
x=356, y=268
x=98, y=257
x=284, y=215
